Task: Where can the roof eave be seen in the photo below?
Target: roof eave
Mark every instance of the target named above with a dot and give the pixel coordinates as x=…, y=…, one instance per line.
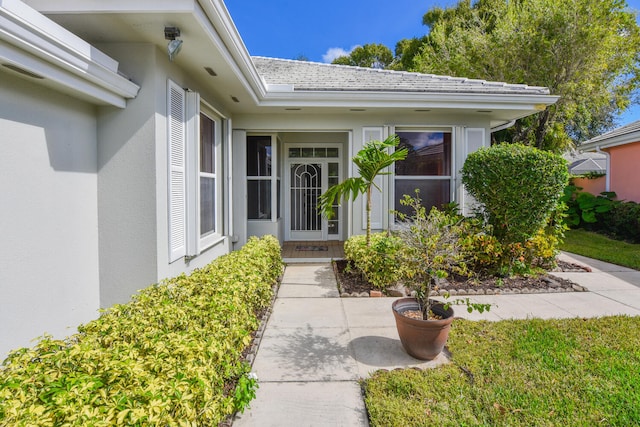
x=611, y=142
x=406, y=99
x=34, y=43
x=228, y=34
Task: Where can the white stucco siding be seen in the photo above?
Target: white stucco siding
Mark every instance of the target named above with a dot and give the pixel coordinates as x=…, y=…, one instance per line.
x=133, y=178
x=48, y=220
x=126, y=183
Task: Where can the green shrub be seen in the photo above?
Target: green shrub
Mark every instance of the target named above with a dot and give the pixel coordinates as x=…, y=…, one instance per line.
x=170, y=356
x=623, y=221
x=585, y=208
x=376, y=262
x=485, y=254
x=518, y=186
x=601, y=213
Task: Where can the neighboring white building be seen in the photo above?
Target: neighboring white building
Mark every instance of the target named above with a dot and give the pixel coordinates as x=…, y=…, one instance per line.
x=121, y=167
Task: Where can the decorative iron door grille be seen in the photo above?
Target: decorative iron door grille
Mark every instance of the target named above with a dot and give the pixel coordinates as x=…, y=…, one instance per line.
x=306, y=188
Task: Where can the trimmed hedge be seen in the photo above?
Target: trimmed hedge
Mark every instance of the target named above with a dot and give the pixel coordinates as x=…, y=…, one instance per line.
x=519, y=187
x=170, y=356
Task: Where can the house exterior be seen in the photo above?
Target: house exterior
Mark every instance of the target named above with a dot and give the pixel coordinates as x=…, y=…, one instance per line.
x=587, y=170
x=121, y=167
x=621, y=148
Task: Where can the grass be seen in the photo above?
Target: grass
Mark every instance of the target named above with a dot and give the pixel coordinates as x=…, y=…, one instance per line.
x=594, y=245
x=576, y=372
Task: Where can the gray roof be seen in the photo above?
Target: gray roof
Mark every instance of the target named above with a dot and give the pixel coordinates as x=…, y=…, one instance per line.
x=588, y=165
x=314, y=76
x=617, y=133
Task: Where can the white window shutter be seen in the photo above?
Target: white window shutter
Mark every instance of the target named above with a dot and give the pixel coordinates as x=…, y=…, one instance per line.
x=373, y=134
x=177, y=167
x=474, y=140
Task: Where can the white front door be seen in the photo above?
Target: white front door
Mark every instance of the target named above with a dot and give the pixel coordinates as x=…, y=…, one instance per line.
x=310, y=172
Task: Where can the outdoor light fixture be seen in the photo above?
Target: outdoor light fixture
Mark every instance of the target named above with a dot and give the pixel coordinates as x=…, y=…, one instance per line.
x=175, y=44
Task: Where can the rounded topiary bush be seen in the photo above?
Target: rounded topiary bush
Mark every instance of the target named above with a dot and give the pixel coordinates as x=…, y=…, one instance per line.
x=518, y=187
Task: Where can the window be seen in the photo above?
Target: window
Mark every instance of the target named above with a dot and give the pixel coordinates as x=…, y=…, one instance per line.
x=262, y=180
x=427, y=168
x=195, y=193
x=207, y=176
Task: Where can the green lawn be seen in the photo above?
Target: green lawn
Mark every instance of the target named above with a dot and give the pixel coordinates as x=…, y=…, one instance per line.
x=594, y=245
x=576, y=372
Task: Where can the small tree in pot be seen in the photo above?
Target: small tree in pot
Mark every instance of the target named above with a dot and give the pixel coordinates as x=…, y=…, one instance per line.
x=431, y=249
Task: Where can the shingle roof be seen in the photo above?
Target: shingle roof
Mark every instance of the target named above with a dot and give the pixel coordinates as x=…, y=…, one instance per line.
x=588, y=165
x=313, y=76
x=618, y=132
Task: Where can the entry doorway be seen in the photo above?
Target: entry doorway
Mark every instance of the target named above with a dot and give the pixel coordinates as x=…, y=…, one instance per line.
x=309, y=171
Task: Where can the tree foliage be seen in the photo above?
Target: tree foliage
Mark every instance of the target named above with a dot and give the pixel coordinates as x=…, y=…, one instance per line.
x=585, y=51
x=371, y=162
x=370, y=55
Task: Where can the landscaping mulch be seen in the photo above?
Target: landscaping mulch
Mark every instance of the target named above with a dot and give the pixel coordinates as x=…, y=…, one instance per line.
x=352, y=284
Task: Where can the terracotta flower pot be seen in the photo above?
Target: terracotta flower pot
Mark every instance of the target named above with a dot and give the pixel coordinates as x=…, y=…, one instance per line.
x=422, y=339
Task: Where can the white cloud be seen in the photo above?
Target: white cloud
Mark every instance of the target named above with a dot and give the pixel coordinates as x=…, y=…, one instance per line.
x=335, y=52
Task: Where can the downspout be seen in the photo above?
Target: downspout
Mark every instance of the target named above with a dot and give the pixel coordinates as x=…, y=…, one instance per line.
x=607, y=175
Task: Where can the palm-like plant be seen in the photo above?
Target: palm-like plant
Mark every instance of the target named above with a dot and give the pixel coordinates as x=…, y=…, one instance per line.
x=371, y=160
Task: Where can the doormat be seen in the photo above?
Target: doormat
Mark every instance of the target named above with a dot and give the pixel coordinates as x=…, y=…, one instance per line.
x=312, y=248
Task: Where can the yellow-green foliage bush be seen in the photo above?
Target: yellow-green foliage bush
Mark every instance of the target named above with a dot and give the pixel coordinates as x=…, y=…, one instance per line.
x=488, y=256
x=168, y=357
x=376, y=262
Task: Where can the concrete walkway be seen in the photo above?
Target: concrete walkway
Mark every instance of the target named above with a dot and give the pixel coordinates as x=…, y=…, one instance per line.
x=317, y=345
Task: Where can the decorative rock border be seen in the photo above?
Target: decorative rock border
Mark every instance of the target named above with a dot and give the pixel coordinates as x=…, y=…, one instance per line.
x=553, y=287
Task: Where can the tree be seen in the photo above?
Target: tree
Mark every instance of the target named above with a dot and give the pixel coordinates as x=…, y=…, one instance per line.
x=370, y=55
x=371, y=160
x=585, y=51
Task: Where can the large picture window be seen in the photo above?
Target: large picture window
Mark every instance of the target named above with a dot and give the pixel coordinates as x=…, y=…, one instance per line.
x=426, y=168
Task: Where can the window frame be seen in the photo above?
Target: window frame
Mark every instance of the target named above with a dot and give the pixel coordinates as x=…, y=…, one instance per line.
x=274, y=178
x=211, y=238
x=450, y=178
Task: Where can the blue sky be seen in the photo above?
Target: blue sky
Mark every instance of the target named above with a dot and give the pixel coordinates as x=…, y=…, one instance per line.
x=318, y=30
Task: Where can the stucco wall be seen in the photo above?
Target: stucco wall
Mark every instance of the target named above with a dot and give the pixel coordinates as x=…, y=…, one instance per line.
x=133, y=181
x=594, y=186
x=625, y=177
x=48, y=223
x=126, y=182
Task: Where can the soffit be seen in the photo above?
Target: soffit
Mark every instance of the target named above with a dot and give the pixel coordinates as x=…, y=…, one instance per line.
x=203, y=46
